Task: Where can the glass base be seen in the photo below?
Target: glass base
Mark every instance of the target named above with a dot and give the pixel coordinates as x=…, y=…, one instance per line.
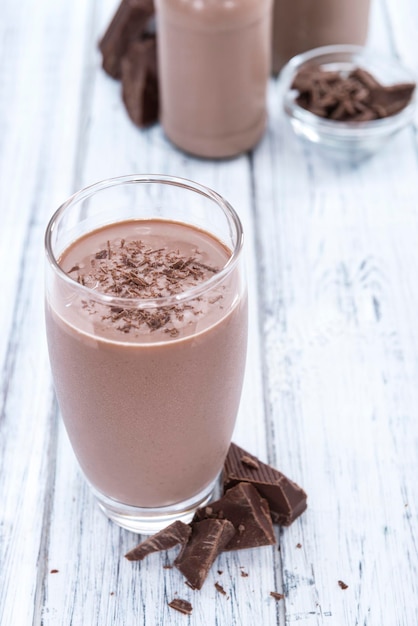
x=147, y=521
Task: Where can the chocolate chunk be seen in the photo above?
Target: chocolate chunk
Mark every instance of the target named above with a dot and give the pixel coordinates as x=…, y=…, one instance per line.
x=140, y=82
x=181, y=605
x=248, y=511
x=127, y=25
x=176, y=533
x=286, y=499
x=209, y=538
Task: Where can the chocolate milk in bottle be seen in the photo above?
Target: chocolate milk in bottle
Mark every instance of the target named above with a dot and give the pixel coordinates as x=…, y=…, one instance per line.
x=214, y=63
x=300, y=25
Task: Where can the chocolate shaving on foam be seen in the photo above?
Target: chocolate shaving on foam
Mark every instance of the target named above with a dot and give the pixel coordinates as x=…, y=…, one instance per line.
x=131, y=269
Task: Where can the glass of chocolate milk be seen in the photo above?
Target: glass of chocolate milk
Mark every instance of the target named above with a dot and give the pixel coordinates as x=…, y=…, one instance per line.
x=146, y=317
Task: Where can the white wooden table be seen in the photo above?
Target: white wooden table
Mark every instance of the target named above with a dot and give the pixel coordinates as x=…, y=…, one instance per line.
x=331, y=392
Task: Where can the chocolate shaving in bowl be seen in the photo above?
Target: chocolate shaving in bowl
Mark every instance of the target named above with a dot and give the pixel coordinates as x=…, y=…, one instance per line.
x=355, y=96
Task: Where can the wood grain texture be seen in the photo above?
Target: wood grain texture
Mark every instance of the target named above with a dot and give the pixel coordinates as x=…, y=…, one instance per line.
x=330, y=392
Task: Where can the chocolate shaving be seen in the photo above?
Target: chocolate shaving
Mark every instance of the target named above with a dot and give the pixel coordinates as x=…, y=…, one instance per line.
x=183, y=606
x=172, y=535
x=209, y=538
x=354, y=96
x=342, y=584
x=286, y=499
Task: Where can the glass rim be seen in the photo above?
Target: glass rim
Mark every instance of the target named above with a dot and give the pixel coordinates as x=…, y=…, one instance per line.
x=145, y=303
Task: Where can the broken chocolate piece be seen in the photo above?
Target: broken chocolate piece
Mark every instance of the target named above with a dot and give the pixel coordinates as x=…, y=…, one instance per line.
x=286, y=499
x=176, y=533
x=140, y=83
x=127, y=25
x=248, y=511
x=181, y=605
x=209, y=538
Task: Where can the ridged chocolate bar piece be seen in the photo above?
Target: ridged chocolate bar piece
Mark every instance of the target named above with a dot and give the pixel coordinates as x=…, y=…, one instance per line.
x=172, y=535
x=285, y=498
x=127, y=25
x=249, y=513
x=209, y=538
x=140, y=82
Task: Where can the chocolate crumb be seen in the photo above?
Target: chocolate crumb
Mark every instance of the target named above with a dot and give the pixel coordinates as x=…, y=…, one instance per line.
x=298, y=545
x=220, y=572
x=276, y=595
x=183, y=606
x=244, y=574
x=219, y=588
x=342, y=584
x=54, y=571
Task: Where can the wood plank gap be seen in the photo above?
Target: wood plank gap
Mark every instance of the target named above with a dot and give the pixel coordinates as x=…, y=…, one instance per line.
x=86, y=99
x=42, y=569
x=268, y=421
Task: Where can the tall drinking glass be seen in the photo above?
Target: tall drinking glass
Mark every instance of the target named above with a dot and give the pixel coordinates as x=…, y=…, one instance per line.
x=146, y=317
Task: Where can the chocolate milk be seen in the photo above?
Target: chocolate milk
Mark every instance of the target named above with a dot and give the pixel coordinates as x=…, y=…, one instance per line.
x=149, y=399
x=300, y=25
x=214, y=62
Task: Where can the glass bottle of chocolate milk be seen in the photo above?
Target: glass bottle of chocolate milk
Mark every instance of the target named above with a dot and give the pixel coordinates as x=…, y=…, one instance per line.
x=300, y=25
x=214, y=63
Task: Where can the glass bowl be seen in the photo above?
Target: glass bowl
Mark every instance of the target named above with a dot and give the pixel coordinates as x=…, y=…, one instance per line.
x=348, y=140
